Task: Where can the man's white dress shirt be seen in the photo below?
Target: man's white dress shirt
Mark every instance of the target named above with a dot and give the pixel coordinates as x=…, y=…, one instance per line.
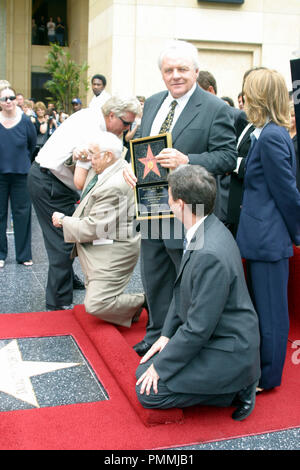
x=165, y=108
x=192, y=230
x=78, y=130
x=98, y=101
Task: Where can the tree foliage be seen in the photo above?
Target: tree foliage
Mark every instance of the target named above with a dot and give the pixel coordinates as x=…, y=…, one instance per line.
x=66, y=77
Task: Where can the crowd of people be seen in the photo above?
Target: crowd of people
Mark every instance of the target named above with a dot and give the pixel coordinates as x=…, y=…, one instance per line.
x=47, y=31
x=214, y=336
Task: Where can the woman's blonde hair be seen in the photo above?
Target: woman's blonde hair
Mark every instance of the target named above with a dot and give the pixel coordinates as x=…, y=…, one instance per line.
x=267, y=98
x=40, y=105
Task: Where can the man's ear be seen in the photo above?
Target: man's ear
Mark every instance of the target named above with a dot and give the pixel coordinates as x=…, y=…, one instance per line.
x=181, y=203
x=109, y=156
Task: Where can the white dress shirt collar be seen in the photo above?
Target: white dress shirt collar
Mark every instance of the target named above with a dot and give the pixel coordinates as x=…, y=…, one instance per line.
x=107, y=170
x=182, y=101
x=258, y=130
x=192, y=230
x=165, y=108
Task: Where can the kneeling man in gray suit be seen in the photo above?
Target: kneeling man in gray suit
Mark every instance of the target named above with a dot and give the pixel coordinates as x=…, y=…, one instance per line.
x=102, y=229
x=208, y=353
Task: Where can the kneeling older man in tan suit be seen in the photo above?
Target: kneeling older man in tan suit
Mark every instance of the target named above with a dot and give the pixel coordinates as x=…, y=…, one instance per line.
x=102, y=229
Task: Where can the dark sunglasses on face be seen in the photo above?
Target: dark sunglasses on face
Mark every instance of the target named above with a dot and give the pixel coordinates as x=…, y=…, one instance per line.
x=6, y=98
x=125, y=123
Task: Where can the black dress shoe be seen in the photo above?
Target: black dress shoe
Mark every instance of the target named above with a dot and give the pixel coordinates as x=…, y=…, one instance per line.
x=245, y=402
x=142, y=347
x=77, y=283
x=60, y=307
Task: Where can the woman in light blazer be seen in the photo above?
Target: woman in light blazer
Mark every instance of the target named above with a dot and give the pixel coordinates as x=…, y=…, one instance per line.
x=270, y=215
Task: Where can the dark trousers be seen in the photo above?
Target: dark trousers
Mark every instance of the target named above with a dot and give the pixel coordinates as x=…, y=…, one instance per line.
x=166, y=398
x=159, y=267
x=268, y=289
x=13, y=187
x=48, y=195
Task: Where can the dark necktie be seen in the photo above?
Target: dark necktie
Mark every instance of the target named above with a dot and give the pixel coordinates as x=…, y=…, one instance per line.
x=90, y=185
x=166, y=125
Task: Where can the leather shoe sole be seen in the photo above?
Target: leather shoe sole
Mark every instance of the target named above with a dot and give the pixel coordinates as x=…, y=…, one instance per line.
x=62, y=307
x=142, y=347
x=245, y=402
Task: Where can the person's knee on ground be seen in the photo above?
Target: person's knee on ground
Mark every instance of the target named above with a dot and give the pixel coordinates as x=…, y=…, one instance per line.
x=98, y=307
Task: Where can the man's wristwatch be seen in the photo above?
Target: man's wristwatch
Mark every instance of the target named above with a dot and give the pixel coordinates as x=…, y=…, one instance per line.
x=61, y=219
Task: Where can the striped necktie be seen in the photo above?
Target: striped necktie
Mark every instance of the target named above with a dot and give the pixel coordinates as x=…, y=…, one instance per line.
x=90, y=185
x=166, y=125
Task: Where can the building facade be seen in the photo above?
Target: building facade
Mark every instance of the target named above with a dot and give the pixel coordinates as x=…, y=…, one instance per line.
x=121, y=39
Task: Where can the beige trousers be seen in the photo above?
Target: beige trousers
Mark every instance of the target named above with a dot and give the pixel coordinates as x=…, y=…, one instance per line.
x=108, y=269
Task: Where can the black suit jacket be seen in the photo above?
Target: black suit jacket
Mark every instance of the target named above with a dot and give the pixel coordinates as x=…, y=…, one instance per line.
x=214, y=345
x=237, y=182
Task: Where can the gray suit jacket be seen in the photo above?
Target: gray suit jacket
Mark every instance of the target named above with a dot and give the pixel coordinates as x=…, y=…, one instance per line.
x=204, y=131
x=214, y=345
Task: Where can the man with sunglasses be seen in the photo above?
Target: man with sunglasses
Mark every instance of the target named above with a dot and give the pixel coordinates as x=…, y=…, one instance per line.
x=51, y=185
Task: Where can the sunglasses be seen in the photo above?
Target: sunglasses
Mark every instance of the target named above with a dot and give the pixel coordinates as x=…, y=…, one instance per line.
x=125, y=123
x=6, y=98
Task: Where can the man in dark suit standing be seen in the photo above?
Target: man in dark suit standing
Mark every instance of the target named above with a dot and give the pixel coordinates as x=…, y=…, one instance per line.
x=208, y=352
x=229, y=186
x=202, y=134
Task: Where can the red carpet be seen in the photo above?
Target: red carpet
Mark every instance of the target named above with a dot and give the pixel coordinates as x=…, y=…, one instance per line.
x=120, y=423
x=293, y=295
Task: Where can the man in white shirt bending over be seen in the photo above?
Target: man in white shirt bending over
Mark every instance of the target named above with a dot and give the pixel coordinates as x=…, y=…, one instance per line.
x=51, y=185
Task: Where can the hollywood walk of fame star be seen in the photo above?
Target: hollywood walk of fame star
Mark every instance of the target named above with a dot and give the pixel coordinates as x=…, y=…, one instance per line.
x=150, y=163
x=15, y=373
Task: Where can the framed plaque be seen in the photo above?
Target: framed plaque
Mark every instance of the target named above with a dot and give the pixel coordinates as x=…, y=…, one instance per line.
x=151, y=191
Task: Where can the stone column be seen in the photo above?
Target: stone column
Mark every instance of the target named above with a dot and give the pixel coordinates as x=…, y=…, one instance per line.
x=18, y=45
x=3, y=39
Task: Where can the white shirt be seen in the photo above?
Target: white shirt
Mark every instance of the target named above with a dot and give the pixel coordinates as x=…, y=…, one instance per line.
x=165, y=108
x=98, y=101
x=51, y=28
x=192, y=230
x=78, y=130
x=239, y=159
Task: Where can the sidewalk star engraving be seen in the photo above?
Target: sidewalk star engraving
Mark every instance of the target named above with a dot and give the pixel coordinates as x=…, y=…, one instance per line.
x=15, y=373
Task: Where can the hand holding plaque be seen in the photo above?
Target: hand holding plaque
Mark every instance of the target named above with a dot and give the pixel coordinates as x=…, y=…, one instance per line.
x=151, y=191
x=171, y=158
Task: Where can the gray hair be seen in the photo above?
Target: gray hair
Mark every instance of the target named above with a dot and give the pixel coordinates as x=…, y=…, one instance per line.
x=108, y=142
x=180, y=49
x=121, y=105
x=195, y=186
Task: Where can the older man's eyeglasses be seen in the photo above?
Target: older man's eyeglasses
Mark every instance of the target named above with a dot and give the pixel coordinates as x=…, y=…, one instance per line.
x=6, y=98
